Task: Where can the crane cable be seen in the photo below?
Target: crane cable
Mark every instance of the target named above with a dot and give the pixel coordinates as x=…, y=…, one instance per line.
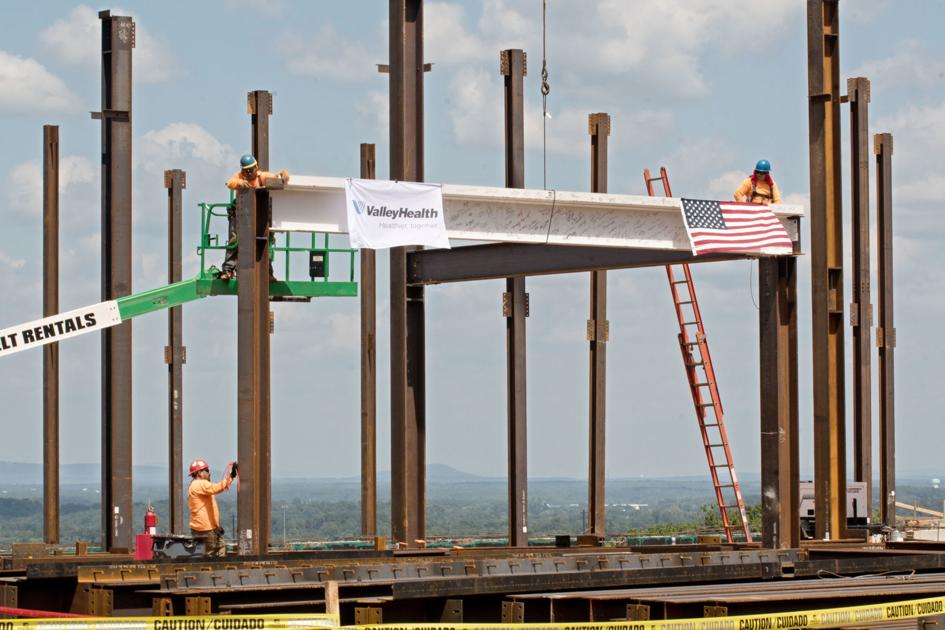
x=545, y=89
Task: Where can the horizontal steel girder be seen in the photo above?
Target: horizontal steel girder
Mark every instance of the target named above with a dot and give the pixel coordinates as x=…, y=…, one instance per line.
x=482, y=213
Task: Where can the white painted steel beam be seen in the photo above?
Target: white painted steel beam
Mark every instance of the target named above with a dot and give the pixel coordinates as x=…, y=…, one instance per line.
x=482, y=213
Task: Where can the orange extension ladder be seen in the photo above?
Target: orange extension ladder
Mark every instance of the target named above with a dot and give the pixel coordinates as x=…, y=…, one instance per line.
x=702, y=385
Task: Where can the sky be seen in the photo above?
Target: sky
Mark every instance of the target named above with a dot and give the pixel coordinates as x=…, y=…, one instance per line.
x=703, y=87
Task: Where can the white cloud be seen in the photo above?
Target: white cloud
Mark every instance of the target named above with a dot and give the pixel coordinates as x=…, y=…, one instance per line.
x=912, y=68
x=330, y=56
x=158, y=149
x=723, y=186
x=446, y=39
x=375, y=106
x=928, y=189
x=25, y=183
x=26, y=86
x=76, y=39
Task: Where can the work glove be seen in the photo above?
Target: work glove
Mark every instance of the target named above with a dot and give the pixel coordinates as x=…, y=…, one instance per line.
x=284, y=174
x=234, y=470
x=243, y=184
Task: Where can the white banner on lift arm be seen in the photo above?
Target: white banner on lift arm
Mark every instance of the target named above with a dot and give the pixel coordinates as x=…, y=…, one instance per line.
x=384, y=214
x=58, y=327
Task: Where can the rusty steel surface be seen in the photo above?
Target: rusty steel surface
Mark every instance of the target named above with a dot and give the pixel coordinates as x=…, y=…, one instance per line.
x=175, y=181
x=118, y=38
x=512, y=65
x=597, y=335
x=51, y=351
x=777, y=327
x=826, y=253
x=861, y=309
x=253, y=522
x=407, y=319
x=368, y=292
x=886, y=332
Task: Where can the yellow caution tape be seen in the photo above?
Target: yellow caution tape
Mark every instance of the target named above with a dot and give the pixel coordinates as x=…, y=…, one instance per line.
x=796, y=620
x=823, y=618
x=222, y=622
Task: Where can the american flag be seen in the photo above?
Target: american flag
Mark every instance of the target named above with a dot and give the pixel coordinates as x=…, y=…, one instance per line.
x=730, y=226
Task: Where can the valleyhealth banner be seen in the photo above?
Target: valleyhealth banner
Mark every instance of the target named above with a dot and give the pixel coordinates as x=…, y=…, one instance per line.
x=384, y=213
x=58, y=327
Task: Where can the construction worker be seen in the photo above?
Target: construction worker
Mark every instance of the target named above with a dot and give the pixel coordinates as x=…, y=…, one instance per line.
x=204, y=513
x=249, y=176
x=760, y=187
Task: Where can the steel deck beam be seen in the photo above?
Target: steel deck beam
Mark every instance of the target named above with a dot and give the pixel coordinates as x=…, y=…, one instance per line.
x=174, y=354
x=886, y=332
x=598, y=332
x=826, y=250
x=118, y=40
x=368, y=291
x=861, y=310
x=51, y=351
x=515, y=305
x=407, y=318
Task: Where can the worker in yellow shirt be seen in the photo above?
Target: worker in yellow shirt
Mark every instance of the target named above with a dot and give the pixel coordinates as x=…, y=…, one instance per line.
x=249, y=176
x=204, y=513
x=760, y=187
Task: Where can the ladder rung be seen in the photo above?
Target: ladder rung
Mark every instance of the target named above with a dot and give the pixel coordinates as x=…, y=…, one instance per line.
x=711, y=424
x=720, y=466
x=696, y=363
x=708, y=404
x=686, y=302
x=701, y=384
x=716, y=445
x=680, y=281
x=690, y=323
x=692, y=343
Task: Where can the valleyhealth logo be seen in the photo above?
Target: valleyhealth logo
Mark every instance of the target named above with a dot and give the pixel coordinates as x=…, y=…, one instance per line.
x=358, y=205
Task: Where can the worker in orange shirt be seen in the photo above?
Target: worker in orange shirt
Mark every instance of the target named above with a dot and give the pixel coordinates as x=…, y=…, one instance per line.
x=249, y=176
x=204, y=513
x=760, y=187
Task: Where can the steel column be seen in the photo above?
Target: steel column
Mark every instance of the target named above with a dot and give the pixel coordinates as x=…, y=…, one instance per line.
x=513, y=67
x=407, y=321
x=886, y=332
x=51, y=351
x=826, y=250
x=777, y=326
x=254, y=510
x=861, y=310
x=175, y=355
x=368, y=291
x=118, y=39
x=598, y=332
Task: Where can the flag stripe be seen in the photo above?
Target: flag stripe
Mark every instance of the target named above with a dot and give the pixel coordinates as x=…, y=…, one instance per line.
x=715, y=226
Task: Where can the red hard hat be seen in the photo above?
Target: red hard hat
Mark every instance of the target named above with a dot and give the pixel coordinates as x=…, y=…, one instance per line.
x=197, y=465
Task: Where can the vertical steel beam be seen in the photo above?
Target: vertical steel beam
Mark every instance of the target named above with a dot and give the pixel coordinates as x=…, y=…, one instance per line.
x=777, y=326
x=51, y=351
x=368, y=292
x=886, y=332
x=513, y=67
x=598, y=332
x=254, y=508
x=826, y=225
x=407, y=320
x=118, y=39
x=861, y=310
x=175, y=354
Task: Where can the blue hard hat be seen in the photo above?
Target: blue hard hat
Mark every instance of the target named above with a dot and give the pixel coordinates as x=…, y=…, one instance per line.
x=248, y=161
x=763, y=166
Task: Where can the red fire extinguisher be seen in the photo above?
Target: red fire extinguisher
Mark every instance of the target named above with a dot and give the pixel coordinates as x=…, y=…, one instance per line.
x=150, y=521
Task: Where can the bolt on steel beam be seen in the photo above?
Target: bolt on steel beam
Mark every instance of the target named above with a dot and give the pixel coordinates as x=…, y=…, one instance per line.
x=175, y=354
x=513, y=67
x=368, y=291
x=826, y=252
x=51, y=351
x=407, y=311
x=777, y=326
x=118, y=40
x=861, y=310
x=598, y=330
x=886, y=332
x=254, y=505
